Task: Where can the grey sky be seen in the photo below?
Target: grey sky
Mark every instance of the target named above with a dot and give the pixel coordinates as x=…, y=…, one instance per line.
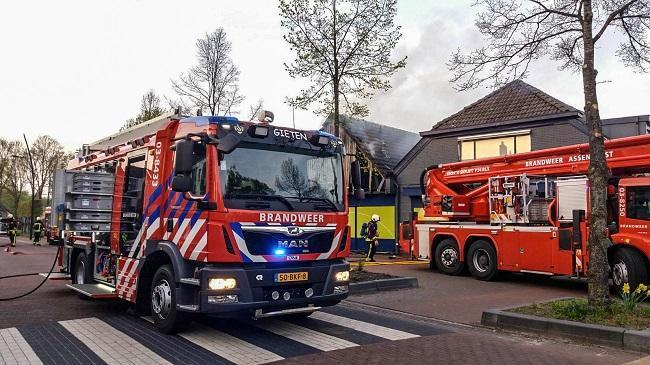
x=77, y=69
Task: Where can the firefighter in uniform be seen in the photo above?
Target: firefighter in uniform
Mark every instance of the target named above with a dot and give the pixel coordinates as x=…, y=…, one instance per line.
x=11, y=225
x=38, y=230
x=372, y=237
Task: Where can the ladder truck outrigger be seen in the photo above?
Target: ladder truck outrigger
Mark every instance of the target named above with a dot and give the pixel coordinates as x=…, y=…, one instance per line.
x=208, y=215
x=529, y=213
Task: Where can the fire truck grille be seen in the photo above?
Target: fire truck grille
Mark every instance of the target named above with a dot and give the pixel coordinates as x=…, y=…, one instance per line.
x=269, y=243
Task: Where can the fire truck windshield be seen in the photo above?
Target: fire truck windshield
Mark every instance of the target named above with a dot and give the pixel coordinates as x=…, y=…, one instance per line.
x=279, y=180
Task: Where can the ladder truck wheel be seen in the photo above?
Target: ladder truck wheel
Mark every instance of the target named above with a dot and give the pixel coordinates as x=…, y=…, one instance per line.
x=447, y=257
x=166, y=317
x=482, y=260
x=628, y=267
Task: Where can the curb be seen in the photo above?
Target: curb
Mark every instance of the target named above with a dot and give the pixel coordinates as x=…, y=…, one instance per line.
x=383, y=285
x=589, y=333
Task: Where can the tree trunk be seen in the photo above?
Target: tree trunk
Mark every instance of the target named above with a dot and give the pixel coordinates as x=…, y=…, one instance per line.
x=598, y=267
x=336, y=72
x=336, y=109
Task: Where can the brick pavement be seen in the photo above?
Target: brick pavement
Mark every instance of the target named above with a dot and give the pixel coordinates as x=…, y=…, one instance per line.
x=463, y=299
x=37, y=317
x=455, y=348
x=53, y=301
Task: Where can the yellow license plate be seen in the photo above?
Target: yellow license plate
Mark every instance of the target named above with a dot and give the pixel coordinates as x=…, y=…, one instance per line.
x=291, y=276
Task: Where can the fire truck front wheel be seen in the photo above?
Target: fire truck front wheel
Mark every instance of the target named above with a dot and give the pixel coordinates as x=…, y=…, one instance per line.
x=447, y=257
x=482, y=260
x=166, y=317
x=628, y=267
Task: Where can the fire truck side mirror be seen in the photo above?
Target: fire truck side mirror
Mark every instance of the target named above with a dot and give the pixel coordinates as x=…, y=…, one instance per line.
x=355, y=171
x=184, y=155
x=228, y=143
x=182, y=184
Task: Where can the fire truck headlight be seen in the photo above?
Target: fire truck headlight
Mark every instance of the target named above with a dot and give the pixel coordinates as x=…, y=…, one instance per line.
x=226, y=126
x=342, y=276
x=279, y=251
x=222, y=283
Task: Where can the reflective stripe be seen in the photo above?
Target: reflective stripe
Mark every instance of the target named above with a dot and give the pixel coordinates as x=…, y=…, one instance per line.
x=304, y=335
x=229, y=347
x=373, y=329
x=109, y=344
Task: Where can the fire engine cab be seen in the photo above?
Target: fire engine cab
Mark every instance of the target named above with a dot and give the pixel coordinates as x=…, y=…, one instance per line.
x=529, y=212
x=208, y=214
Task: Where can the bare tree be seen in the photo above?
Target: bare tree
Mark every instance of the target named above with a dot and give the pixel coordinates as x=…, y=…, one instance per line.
x=48, y=155
x=213, y=84
x=149, y=109
x=5, y=159
x=522, y=31
x=343, y=48
x=174, y=104
x=15, y=179
x=256, y=108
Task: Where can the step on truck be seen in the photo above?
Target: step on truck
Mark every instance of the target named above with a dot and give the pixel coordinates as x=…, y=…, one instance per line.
x=207, y=215
x=529, y=213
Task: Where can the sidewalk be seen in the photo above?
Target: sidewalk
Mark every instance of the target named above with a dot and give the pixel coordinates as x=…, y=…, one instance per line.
x=461, y=299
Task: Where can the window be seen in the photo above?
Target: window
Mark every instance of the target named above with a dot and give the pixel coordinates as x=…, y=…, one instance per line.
x=199, y=172
x=493, y=145
x=638, y=202
x=132, y=202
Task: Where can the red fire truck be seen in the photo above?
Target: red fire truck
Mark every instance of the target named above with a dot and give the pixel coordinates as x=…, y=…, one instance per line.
x=529, y=213
x=208, y=214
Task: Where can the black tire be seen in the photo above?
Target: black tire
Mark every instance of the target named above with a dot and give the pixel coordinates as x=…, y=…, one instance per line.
x=166, y=317
x=447, y=257
x=628, y=267
x=82, y=272
x=482, y=260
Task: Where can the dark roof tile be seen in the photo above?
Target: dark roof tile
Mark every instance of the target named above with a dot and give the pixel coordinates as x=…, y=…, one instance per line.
x=516, y=100
x=384, y=145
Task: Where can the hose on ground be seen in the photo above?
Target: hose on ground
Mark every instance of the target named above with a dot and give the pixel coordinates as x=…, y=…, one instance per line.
x=30, y=274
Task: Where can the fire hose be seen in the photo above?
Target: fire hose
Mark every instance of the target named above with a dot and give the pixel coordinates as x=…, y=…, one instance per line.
x=31, y=274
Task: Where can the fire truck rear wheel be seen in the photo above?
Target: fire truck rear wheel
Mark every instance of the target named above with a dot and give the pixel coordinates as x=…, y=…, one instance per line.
x=482, y=260
x=628, y=267
x=166, y=317
x=447, y=257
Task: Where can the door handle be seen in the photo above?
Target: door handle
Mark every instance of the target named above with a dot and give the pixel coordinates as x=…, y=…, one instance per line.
x=170, y=225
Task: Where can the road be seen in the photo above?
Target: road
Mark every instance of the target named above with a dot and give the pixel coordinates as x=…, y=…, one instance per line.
x=54, y=326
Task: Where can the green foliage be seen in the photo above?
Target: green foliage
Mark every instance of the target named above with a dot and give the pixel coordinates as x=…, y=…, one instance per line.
x=578, y=310
x=631, y=299
x=575, y=310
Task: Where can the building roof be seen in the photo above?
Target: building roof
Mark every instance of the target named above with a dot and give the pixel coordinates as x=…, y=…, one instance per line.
x=515, y=101
x=385, y=146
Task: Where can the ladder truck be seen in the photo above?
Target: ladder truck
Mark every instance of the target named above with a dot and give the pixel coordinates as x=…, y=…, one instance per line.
x=529, y=213
x=207, y=215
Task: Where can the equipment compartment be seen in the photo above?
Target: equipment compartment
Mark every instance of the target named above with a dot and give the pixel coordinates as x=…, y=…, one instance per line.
x=91, y=202
x=88, y=227
x=89, y=216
